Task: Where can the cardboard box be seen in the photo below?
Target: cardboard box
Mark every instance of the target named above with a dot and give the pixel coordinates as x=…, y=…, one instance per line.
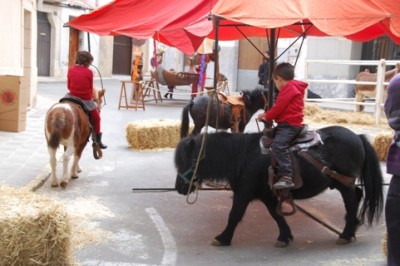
x=13, y=105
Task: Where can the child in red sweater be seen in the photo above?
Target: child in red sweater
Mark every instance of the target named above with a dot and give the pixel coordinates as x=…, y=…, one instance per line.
x=287, y=112
x=80, y=84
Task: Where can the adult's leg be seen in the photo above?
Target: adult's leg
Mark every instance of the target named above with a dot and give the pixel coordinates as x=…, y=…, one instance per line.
x=392, y=214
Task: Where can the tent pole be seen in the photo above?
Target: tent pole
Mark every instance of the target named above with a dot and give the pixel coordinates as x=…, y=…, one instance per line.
x=271, y=68
x=88, y=39
x=216, y=54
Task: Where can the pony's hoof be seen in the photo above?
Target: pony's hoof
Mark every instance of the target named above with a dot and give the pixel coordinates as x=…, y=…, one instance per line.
x=74, y=177
x=54, y=185
x=218, y=243
x=342, y=241
x=281, y=244
x=63, y=184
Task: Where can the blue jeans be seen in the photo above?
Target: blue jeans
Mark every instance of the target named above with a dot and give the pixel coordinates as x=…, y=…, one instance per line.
x=284, y=135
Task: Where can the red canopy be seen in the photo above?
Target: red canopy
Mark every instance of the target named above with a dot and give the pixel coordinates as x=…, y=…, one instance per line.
x=177, y=23
x=183, y=23
x=359, y=20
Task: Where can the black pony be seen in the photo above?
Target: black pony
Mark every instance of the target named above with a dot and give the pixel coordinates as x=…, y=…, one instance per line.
x=254, y=100
x=237, y=158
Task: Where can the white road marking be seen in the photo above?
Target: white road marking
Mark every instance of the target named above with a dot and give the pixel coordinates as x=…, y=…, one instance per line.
x=166, y=236
x=170, y=255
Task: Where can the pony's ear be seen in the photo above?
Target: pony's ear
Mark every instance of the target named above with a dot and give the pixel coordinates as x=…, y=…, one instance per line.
x=189, y=148
x=246, y=97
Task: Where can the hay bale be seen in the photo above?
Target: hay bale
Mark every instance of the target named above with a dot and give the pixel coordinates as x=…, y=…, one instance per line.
x=153, y=133
x=315, y=114
x=381, y=145
x=33, y=230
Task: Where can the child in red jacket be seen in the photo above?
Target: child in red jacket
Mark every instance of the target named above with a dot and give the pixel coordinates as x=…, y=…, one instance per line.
x=80, y=84
x=287, y=112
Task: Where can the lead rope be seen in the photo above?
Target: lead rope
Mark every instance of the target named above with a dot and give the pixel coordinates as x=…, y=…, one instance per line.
x=201, y=154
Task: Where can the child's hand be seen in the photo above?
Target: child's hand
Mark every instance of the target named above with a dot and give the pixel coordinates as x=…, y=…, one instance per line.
x=261, y=117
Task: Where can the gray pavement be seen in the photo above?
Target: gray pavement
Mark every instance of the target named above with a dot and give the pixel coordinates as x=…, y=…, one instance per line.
x=118, y=227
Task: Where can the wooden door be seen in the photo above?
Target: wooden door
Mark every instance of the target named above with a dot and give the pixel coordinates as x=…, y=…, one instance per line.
x=249, y=57
x=122, y=58
x=43, y=44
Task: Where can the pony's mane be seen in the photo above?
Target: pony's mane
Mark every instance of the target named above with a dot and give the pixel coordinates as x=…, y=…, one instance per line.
x=224, y=150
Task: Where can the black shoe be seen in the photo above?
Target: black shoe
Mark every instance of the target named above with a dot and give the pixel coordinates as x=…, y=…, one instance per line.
x=170, y=96
x=166, y=95
x=101, y=145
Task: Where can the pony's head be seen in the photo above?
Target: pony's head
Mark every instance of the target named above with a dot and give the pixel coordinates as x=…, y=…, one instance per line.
x=98, y=96
x=185, y=163
x=397, y=68
x=257, y=98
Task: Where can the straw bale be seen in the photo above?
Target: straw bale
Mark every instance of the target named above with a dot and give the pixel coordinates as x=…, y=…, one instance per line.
x=381, y=145
x=315, y=114
x=33, y=229
x=153, y=133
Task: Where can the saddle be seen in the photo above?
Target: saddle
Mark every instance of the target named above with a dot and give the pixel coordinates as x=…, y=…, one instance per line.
x=75, y=100
x=305, y=140
x=237, y=106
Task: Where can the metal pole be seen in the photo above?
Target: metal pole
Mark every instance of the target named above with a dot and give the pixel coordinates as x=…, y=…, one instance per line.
x=216, y=54
x=271, y=68
x=88, y=39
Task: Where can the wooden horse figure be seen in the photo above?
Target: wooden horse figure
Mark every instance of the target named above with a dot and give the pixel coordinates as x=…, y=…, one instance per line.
x=67, y=124
x=369, y=91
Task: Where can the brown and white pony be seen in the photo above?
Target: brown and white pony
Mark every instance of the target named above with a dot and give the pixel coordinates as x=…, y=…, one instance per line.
x=369, y=91
x=67, y=124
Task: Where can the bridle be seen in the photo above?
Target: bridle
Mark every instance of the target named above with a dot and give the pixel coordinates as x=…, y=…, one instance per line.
x=191, y=178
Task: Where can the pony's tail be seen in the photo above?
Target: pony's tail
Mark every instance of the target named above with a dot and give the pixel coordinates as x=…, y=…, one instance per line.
x=55, y=134
x=185, y=119
x=372, y=181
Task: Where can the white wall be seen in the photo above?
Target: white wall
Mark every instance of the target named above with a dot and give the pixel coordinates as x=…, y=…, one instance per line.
x=332, y=48
x=11, y=30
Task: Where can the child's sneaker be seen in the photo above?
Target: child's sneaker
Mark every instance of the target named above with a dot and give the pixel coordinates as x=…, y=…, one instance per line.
x=284, y=182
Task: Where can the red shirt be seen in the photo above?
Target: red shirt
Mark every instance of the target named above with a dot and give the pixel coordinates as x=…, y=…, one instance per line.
x=80, y=82
x=289, y=104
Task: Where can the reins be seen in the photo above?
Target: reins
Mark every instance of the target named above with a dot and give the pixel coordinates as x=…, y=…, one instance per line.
x=101, y=82
x=265, y=104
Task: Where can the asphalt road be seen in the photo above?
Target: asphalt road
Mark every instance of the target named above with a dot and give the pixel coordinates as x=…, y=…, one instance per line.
x=113, y=225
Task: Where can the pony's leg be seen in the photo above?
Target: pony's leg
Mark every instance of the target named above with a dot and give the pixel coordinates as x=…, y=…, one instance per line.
x=53, y=165
x=196, y=130
x=351, y=198
x=66, y=157
x=285, y=234
x=75, y=167
x=359, y=99
x=238, y=209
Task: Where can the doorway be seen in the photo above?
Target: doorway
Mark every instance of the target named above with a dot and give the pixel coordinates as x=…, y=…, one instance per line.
x=43, y=44
x=122, y=58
